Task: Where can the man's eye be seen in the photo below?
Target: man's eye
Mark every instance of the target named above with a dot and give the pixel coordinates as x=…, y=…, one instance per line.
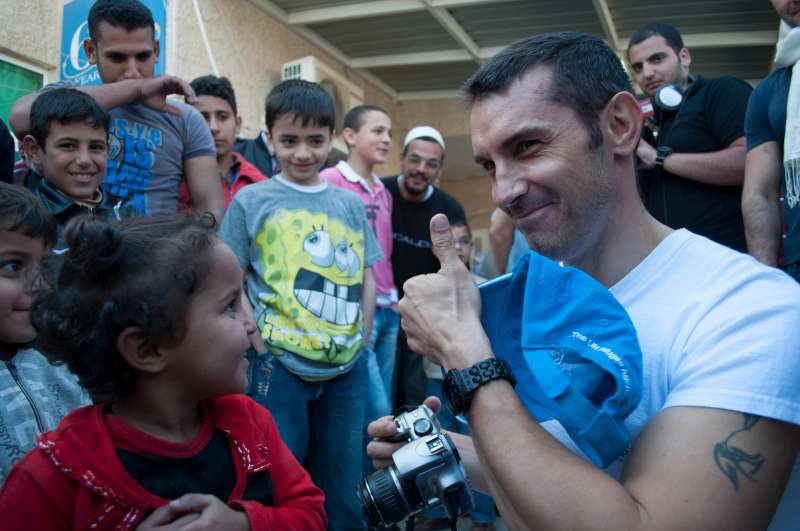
x=488, y=166
x=11, y=267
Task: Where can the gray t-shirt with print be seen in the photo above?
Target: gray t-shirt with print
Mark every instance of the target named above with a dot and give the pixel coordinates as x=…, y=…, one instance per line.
x=305, y=250
x=147, y=150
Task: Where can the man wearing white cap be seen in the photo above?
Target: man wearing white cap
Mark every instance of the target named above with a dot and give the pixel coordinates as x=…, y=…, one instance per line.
x=416, y=200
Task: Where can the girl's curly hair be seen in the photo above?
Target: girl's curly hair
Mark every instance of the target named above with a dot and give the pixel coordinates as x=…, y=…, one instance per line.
x=139, y=272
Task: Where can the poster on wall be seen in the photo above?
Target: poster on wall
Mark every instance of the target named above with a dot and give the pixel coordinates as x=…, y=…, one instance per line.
x=75, y=65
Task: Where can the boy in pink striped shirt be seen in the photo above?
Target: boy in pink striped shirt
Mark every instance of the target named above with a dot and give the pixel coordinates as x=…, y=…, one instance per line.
x=368, y=134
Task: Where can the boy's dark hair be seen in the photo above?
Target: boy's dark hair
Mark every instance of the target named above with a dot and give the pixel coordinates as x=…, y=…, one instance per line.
x=354, y=118
x=586, y=74
x=66, y=106
x=215, y=86
x=304, y=100
x=139, y=272
x=128, y=14
x=658, y=29
x=21, y=211
x=462, y=223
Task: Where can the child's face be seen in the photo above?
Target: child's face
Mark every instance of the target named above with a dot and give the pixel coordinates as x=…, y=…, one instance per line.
x=121, y=54
x=74, y=158
x=463, y=243
x=210, y=360
x=20, y=256
x=222, y=122
x=300, y=150
x=373, y=140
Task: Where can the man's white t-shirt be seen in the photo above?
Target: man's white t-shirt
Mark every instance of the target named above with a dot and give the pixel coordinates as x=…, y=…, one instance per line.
x=717, y=329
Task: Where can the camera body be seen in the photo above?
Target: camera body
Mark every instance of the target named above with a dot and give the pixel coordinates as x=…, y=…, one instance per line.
x=425, y=473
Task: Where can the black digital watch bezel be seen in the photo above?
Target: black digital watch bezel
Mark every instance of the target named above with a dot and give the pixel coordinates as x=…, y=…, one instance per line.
x=460, y=384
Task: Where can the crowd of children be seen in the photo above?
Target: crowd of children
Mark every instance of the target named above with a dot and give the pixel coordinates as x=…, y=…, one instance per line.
x=190, y=370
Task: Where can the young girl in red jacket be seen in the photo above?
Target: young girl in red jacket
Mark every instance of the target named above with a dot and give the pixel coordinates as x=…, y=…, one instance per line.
x=148, y=315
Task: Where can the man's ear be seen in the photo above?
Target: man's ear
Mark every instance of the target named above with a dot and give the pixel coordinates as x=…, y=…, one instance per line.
x=238, y=125
x=157, y=50
x=139, y=352
x=621, y=123
x=33, y=151
x=685, y=58
x=90, y=49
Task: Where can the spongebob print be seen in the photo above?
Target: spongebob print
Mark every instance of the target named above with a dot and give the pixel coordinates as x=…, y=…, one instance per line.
x=314, y=269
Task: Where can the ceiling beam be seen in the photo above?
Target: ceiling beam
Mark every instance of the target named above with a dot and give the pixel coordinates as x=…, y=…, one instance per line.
x=321, y=15
x=455, y=30
x=724, y=40
x=279, y=14
x=365, y=9
x=607, y=21
x=429, y=95
x=410, y=59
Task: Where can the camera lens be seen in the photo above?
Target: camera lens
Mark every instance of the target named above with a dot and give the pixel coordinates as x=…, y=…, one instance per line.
x=383, y=499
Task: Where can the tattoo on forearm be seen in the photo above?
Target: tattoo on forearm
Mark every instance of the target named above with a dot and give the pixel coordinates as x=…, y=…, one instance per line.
x=734, y=461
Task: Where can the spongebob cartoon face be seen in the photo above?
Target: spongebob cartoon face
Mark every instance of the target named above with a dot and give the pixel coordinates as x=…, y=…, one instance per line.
x=313, y=265
x=329, y=294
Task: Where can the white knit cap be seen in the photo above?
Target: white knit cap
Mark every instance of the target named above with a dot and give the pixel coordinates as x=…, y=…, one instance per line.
x=423, y=131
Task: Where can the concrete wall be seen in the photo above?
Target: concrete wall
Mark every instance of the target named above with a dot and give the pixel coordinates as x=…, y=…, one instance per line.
x=31, y=32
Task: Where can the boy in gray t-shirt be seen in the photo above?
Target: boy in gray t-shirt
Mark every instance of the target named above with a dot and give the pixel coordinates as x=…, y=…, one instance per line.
x=153, y=144
x=308, y=252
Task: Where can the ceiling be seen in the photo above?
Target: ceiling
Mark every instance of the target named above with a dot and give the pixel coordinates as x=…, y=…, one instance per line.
x=424, y=49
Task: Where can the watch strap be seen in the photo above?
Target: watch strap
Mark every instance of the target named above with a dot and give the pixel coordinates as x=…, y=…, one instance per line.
x=460, y=385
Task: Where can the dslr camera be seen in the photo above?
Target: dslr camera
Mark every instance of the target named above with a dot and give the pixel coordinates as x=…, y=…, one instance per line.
x=425, y=473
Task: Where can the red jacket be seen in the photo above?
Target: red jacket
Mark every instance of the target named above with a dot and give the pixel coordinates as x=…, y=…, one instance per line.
x=248, y=174
x=74, y=480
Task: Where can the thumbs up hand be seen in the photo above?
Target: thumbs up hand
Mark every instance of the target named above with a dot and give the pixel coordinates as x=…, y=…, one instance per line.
x=440, y=312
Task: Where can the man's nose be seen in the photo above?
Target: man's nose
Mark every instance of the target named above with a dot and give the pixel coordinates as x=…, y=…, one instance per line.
x=131, y=70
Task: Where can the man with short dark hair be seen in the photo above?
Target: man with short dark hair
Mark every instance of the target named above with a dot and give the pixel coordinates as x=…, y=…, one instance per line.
x=692, y=166
x=771, y=197
x=556, y=126
x=416, y=200
x=154, y=144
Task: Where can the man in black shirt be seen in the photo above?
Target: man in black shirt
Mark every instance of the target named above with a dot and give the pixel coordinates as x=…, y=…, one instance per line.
x=416, y=200
x=692, y=163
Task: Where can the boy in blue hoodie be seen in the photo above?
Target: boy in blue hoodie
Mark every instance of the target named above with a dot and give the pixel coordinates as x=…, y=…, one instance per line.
x=35, y=394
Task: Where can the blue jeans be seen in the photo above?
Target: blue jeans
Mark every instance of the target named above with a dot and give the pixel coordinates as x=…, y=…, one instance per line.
x=385, y=326
x=484, y=512
x=322, y=424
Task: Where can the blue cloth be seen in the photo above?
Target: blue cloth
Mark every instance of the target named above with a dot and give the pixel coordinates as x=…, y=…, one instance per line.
x=322, y=424
x=573, y=349
x=385, y=326
x=484, y=512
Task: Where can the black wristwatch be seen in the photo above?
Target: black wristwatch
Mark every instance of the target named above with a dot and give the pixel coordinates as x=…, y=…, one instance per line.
x=460, y=384
x=661, y=153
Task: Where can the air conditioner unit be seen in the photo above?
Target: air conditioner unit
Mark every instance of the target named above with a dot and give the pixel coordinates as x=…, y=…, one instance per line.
x=344, y=92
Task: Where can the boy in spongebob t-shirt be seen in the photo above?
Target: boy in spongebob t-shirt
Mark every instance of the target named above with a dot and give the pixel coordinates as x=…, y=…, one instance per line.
x=308, y=251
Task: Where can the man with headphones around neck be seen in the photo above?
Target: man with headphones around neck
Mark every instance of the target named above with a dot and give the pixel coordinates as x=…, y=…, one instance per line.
x=692, y=155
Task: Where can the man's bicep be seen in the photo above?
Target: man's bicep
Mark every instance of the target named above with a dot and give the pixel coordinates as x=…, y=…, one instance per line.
x=706, y=468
